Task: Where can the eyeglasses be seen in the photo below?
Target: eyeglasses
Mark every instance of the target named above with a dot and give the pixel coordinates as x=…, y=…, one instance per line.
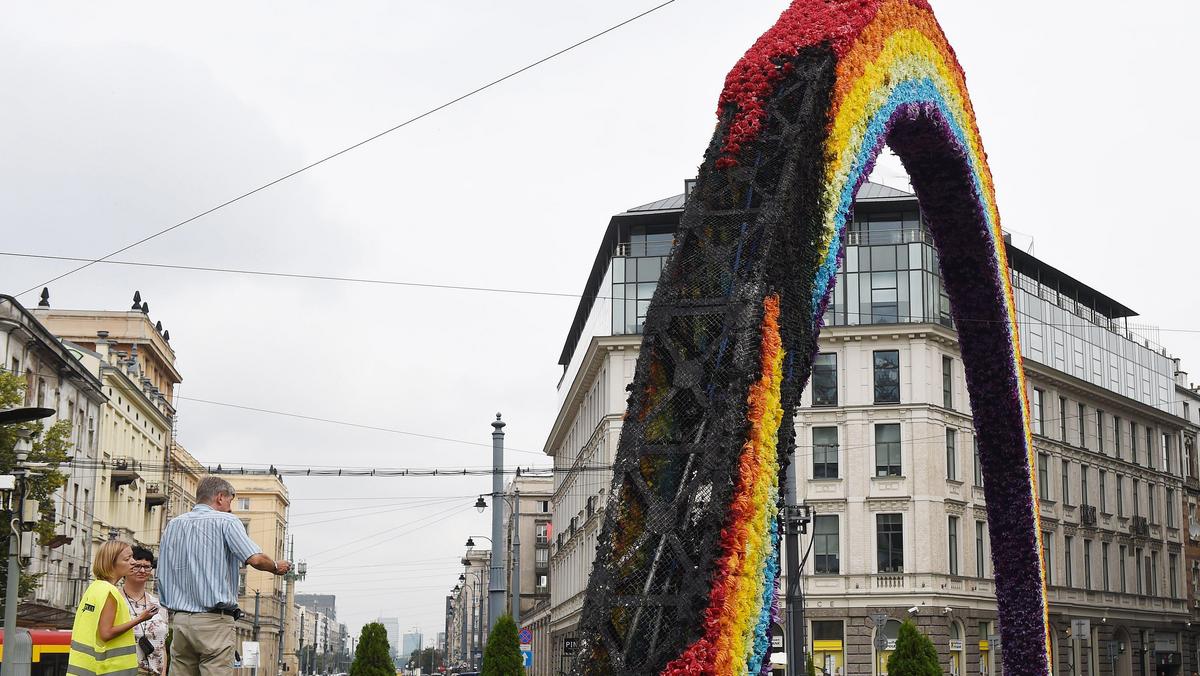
x=141, y=568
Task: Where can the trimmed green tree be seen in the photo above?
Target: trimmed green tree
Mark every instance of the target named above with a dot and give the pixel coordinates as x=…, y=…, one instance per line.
x=914, y=654
x=372, y=657
x=51, y=445
x=812, y=665
x=502, y=654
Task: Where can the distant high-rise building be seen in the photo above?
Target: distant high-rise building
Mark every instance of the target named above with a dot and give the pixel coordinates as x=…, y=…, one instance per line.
x=392, y=625
x=325, y=604
x=411, y=642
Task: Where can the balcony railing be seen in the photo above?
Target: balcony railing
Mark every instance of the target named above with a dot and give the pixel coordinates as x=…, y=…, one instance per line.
x=124, y=472
x=1087, y=515
x=905, y=236
x=155, y=494
x=1140, y=526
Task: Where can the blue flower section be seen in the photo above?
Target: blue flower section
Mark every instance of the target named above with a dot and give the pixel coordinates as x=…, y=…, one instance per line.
x=762, y=629
x=907, y=92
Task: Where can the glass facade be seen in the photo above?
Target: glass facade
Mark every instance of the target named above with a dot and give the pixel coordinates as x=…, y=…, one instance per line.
x=635, y=268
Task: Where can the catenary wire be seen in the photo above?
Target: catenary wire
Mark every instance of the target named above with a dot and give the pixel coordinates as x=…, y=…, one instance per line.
x=344, y=423
x=355, y=146
x=490, y=289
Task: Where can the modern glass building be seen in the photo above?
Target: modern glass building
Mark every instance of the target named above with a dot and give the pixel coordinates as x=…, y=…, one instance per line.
x=886, y=453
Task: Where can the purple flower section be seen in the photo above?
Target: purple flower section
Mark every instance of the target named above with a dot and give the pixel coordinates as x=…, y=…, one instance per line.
x=945, y=185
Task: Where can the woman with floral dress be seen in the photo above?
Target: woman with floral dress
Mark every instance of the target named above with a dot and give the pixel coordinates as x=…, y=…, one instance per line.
x=152, y=634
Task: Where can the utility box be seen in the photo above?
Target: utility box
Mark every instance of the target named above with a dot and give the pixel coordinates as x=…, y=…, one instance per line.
x=8, y=482
x=31, y=512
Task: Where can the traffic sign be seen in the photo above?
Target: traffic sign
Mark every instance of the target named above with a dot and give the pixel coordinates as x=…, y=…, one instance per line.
x=879, y=618
x=525, y=635
x=881, y=641
x=1081, y=630
x=526, y=658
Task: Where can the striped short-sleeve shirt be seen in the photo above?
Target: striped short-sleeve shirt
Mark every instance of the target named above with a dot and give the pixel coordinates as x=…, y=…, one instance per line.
x=200, y=556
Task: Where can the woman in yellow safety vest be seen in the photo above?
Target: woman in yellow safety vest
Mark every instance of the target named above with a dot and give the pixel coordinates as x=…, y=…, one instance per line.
x=102, y=642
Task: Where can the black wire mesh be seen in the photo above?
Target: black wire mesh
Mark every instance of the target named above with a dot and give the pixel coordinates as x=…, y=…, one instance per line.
x=747, y=232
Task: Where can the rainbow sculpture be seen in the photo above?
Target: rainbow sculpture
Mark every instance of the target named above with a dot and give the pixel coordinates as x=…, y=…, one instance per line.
x=686, y=575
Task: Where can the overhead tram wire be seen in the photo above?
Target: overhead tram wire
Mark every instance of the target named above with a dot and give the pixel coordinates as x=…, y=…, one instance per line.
x=344, y=423
x=354, y=146
x=479, y=289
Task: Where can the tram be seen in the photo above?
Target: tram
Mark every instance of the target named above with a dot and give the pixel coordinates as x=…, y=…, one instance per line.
x=50, y=651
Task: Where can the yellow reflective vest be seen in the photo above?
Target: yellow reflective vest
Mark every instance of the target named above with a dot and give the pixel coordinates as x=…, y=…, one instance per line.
x=91, y=656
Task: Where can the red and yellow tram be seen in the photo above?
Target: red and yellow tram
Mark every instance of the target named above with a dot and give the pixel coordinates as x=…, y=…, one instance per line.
x=50, y=649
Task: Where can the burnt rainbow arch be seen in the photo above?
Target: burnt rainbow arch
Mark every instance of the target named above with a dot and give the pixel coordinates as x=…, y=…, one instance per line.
x=686, y=577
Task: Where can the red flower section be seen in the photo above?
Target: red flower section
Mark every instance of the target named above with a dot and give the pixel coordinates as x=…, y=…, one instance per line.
x=804, y=24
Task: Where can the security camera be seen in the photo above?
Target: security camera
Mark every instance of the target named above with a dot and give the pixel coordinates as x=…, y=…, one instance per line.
x=914, y=610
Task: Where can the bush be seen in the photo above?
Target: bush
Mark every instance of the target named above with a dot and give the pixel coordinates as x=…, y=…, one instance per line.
x=502, y=654
x=373, y=657
x=914, y=654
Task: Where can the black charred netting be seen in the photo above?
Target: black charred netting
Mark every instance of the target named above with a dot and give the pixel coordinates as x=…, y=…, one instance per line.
x=747, y=232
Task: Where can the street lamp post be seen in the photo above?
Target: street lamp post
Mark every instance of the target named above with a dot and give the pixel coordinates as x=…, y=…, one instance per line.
x=514, y=510
x=478, y=621
x=18, y=649
x=496, y=582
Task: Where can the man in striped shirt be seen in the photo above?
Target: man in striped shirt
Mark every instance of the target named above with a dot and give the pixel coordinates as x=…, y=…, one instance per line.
x=200, y=556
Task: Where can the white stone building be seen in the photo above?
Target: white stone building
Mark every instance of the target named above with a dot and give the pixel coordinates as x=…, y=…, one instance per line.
x=56, y=379
x=885, y=455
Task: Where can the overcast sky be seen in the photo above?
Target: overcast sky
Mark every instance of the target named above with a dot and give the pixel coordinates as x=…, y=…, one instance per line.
x=118, y=120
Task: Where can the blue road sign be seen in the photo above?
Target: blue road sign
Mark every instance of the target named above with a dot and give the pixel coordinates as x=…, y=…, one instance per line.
x=527, y=656
x=525, y=636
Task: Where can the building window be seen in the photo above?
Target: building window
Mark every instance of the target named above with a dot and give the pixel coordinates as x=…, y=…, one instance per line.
x=887, y=450
x=1082, y=426
x=1068, y=578
x=1151, y=515
x=887, y=376
x=978, y=467
x=951, y=454
x=1066, y=481
x=947, y=382
x=1043, y=470
x=1152, y=583
x=1169, y=508
x=825, y=381
x=1083, y=485
x=1149, y=447
x=1087, y=564
x=541, y=533
x=1039, y=411
x=1133, y=437
x=889, y=537
x=1167, y=465
x=1103, y=491
x=1104, y=546
x=1062, y=419
x=543, y=506
x=243, y=503
x=542, y=583
x=825, y=452
x=541, y=557
x=1099, y=430
x=952, y=542
x=1124, y=553
x=980, y=548
x=1172, y=573
x=1137, y=511
x=826, y=545
x=1048, y=555
x=1137, y=570
x=1120, y=495
x=1117, y=436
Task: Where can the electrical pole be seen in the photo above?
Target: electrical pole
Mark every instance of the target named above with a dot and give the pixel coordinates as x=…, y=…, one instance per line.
x=515, y=520
x=18, y=645
x=496, y=582
x=795, y=523
x=257, y=595
x=18, y=660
